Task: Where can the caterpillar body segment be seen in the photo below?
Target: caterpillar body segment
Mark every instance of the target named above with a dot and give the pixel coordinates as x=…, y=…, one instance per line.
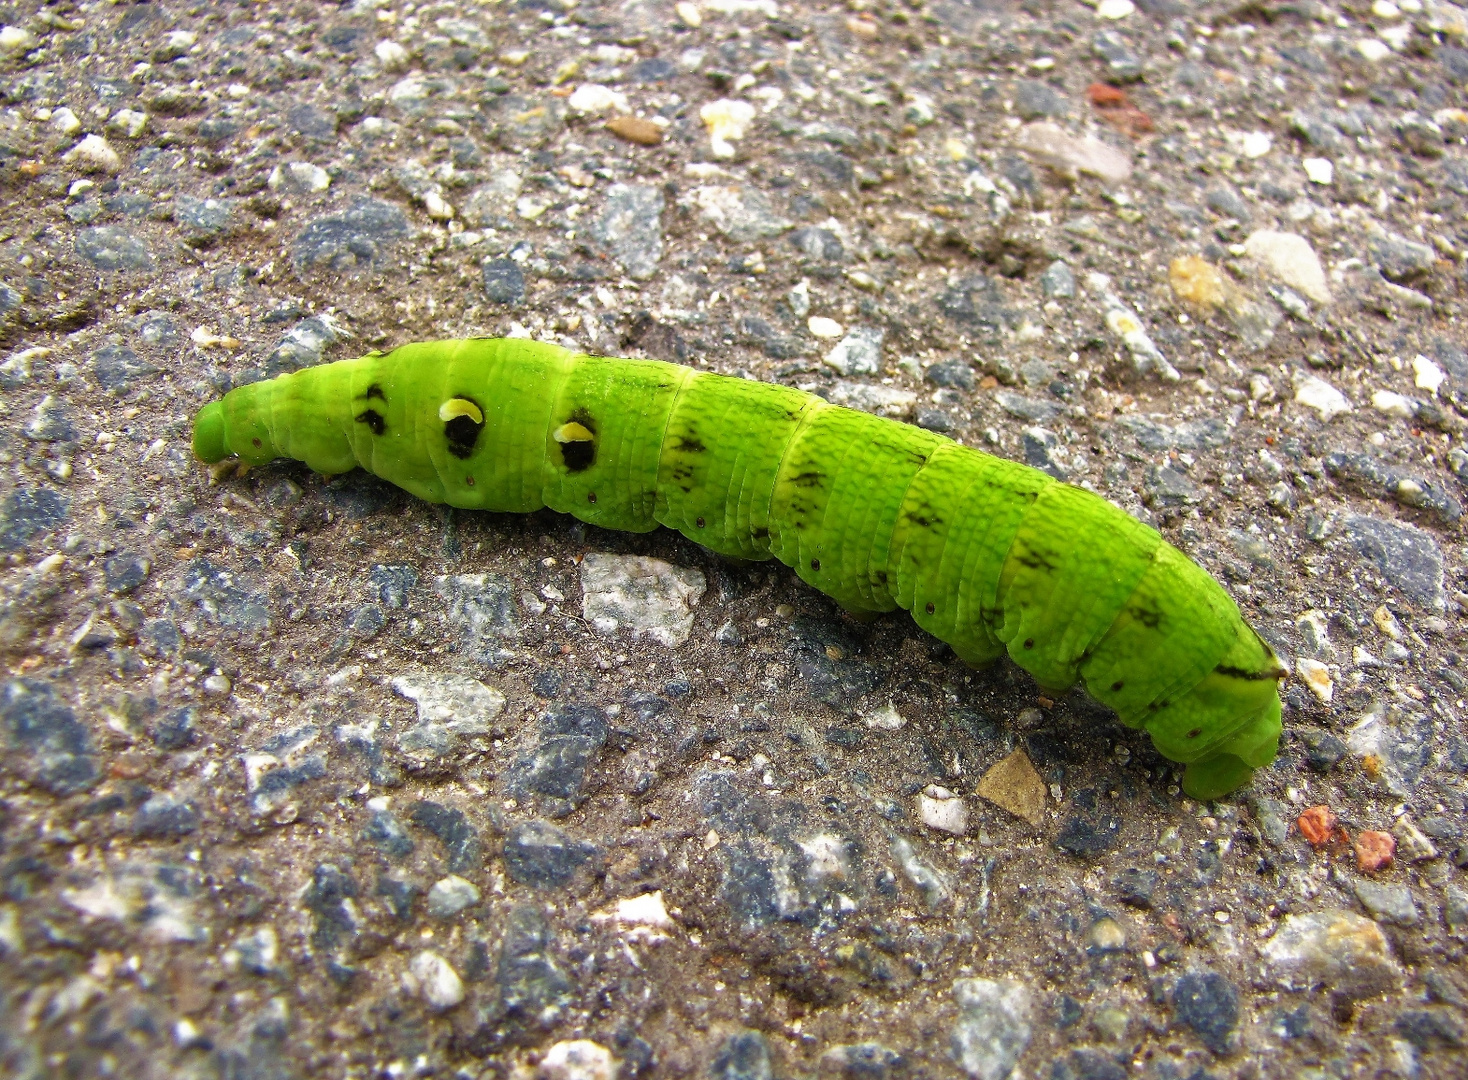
x=990, y=556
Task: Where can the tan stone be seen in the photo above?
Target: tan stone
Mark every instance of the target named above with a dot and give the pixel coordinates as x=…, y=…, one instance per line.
x=1013, y=784
x=1196, y=282
x=635, y=129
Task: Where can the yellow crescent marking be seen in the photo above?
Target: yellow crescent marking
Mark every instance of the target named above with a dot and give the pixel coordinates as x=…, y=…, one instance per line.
x=572, y=432
x=456, y=407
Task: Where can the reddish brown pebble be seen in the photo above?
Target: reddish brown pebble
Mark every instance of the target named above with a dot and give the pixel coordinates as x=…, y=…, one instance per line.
x=1316, y=825
x=1103, y=96
x=636, y=129
x=1375, y=850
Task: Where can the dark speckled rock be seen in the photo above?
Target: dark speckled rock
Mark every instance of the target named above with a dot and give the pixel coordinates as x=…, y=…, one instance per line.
x=53, y=750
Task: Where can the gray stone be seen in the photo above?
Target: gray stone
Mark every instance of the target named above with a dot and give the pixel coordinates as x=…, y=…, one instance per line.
x=28, y=513
x=858, y=353
x=482, y=608
x=1168, y=487
x=1193, y=435
x=51, y=421
x=116, y=366
x=545, y=857
x=330, y=898
x=1057, y=282
x=1405, y=555
x=163, y=817
x=1040, y=447
x=1036, y=410
x=993, y=1029
x=258, y=953
x=1406, y=486
x=450, y=895
x=821, y=245
x=743, y=214
x=1207, y=1003
x=1272, y=817
x=1121, y=63
x=280, y=764
x=1035, y=100
x=111, y=247
x=1135, y=887
x=391, y=583
x=953, y=374
x=744, y=1055
x=223, y=597
x=1455, y=910
x=358, y=237
x=312, y=122
x=125, y=571
x=864, y=1061
x=303, y=345
x=178, y=729
x=1226, y=201
x=384, y=830
x=533, y=990
x=504, y=281
x=205, y=220
x=1087, y=1064
x=631, y=227
x=51, y=748
x=1398, y=258
x=453, y=829
x=1387, y=901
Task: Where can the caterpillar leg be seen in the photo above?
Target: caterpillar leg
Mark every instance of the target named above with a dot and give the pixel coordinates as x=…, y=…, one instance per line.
x=1215, y=777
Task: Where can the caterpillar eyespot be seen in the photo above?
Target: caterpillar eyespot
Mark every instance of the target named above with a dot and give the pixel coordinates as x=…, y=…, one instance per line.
x=1067, y=585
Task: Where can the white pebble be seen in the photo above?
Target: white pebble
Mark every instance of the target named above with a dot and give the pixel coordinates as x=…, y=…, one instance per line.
x=1290, y=258
x=390, y=55
x=439, y=208
x=1319, y=170
x=1428, y=376
x=823, y=327
x=218, y=686
x=299, y=176
x=93, y=154
x=1373, y=50
x=16, y=39
x=1385, y=9
x=689, y=14
x=1255, y=144
x=1319, y=395
x=1115, y=9
x=645, y=910
x=437, y=981
x=726, y=121
x=1316, y=676
x=593, y=99
x=887, y=718
x=128, y=122
x=578, y=1059
x=1392, y=404
x=941, y=809
x=65, y=122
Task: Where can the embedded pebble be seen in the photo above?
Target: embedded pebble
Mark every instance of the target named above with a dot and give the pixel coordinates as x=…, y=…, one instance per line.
x=438, y=982
x=1340, y=950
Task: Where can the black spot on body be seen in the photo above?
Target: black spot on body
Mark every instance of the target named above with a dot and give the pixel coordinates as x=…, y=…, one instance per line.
x=699, y=523
x=373, y=419
x=1195, y=733
x=374, y=391
x=815, y=564
x=462, y=433
x=578, y=456
x=687, y=444
x=591, y=496
x=1029, y=643
x=809, y=479
x=1116, y=685
x=930, y=608
x=1240, y=673
x=1151, y=618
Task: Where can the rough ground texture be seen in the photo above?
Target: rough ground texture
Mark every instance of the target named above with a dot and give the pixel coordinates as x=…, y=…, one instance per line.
x=304, y=778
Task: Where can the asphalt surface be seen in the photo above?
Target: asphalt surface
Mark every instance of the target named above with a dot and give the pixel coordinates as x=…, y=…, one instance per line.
x=303, y=777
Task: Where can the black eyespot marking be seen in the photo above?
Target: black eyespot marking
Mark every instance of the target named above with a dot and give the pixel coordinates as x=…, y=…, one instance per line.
x=815, y=564
x=591, y=496
x=1029, y=643
x=930, y=607
x=699, y=523
x=374, y=420
x=374, y=391
x=578, y=453
x=462, y=433
x=1195, y=733
x=578, y=456
x=1116, y=685
x=689, y=445
x=257, y=443
x=469, y=480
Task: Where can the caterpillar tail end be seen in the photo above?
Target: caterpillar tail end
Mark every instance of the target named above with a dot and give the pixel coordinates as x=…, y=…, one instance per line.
x=210, y=444
x=1216, y=777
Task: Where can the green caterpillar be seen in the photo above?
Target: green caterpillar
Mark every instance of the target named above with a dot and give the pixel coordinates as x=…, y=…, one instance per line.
x=988, y=555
